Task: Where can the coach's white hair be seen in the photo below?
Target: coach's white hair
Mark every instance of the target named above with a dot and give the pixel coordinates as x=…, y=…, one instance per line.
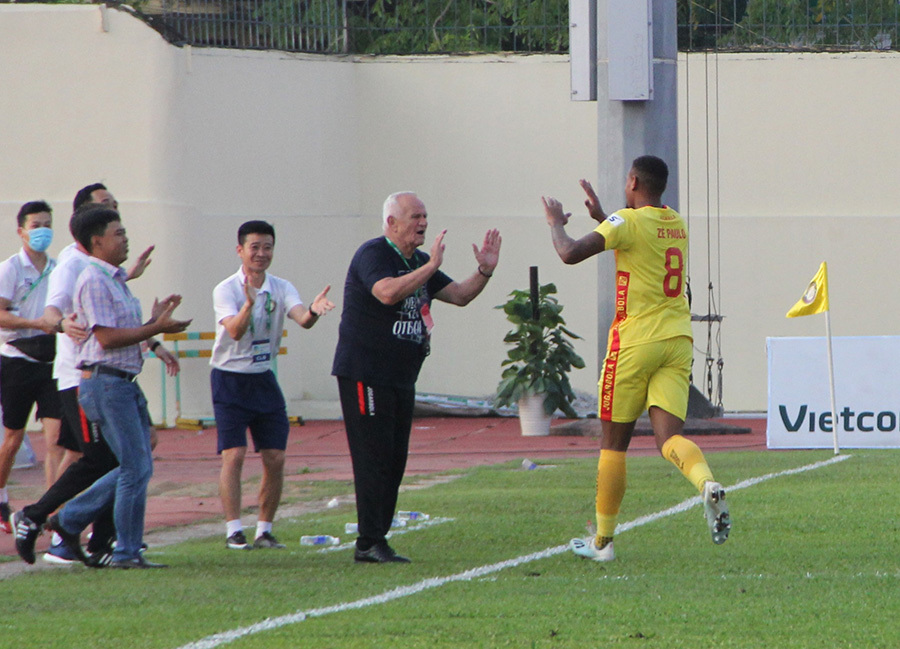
x=391, y=204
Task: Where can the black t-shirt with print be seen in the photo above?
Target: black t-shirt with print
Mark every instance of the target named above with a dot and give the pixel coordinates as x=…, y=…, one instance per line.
x=381, y=344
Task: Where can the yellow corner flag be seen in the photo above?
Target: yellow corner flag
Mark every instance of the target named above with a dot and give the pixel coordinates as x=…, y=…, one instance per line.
x=815, y=298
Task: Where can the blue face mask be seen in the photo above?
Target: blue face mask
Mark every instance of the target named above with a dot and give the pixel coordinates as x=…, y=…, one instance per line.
x=40, y=238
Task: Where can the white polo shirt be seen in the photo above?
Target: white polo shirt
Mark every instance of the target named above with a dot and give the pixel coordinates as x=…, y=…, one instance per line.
x=26, y=289
x=70, y=263
x=253, y=353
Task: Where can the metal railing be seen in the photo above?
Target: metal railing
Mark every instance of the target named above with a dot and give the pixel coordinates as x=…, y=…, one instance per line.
x=369, y=26
x=457, y=26
x=788, y=25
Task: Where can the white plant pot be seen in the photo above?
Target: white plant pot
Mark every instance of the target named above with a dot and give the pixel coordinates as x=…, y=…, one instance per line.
x=533, y=421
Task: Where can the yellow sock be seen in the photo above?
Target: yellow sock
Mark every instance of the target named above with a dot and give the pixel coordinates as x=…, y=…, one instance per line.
x=610, y=491
x=688, y=457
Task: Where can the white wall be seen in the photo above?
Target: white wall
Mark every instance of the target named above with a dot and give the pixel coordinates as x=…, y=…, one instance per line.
x=195, y=141
x=804, y=171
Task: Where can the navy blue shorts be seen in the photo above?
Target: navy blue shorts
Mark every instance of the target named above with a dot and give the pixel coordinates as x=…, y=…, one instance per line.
x=249, y=401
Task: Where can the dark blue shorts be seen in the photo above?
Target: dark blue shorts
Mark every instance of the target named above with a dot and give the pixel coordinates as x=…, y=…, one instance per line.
x=249, y=401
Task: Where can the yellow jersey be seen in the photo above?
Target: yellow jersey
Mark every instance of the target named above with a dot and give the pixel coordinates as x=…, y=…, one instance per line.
x=651, y=248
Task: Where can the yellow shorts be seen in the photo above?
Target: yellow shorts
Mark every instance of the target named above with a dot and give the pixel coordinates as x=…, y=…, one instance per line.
x=651, y=374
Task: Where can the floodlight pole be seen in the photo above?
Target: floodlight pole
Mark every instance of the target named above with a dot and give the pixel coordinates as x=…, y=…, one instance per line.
x=624, y=54
x=637, y=109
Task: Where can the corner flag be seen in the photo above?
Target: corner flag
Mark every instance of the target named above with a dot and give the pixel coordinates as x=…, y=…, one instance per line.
x=815, y=298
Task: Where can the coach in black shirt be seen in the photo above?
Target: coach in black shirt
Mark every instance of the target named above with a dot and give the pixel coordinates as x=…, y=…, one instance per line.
x=384, y=338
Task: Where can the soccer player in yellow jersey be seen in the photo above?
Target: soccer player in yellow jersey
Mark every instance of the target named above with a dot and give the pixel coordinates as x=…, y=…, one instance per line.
x=649, y=352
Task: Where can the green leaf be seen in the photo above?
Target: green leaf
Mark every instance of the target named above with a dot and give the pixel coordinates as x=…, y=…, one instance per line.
x=540, y=353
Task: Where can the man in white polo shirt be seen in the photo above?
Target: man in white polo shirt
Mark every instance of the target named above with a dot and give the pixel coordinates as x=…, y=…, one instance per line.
x=250, y=310
x=27, y=348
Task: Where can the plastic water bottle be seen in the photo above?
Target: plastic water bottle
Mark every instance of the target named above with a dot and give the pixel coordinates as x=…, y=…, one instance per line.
x=412, y=516
x=321, y=539
x=353, y=528
x=528, y=465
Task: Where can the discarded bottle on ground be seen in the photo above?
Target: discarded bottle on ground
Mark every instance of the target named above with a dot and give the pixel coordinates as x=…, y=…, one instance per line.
x=353, y=528
x=412, y=516
x=322, y=539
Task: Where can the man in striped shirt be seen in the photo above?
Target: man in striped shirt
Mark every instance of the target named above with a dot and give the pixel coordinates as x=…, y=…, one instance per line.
x=110, y=359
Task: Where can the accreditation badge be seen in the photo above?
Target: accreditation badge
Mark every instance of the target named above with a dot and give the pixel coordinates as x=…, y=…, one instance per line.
x=425, y=310
x=261, y=351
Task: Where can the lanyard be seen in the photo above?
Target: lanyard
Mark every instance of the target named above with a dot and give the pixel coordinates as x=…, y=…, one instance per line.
x=268, y=308
x=393, y=245
x=423, y=304
x=34, y=285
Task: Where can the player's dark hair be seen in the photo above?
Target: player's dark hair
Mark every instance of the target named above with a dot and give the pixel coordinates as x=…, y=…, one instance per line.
x=84, y=195
x=254, y=227
x=32, y=207
x=652, y=172
x=90, y=221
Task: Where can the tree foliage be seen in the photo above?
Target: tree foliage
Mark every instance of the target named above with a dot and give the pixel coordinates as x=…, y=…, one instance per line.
x=817, y=24
x=424, y=26
x=788, y=24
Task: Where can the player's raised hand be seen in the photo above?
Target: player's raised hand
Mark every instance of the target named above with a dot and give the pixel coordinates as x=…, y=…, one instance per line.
x=592, y=202
x=553, y=210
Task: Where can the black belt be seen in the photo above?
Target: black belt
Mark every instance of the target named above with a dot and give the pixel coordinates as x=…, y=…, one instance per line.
x=94, y=370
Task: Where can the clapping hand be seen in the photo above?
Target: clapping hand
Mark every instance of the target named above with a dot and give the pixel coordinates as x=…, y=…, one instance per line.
x=250, y=291
x=161, y=314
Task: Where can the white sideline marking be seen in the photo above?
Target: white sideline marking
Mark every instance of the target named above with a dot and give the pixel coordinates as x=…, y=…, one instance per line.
x=395, y=532
x=218, y=639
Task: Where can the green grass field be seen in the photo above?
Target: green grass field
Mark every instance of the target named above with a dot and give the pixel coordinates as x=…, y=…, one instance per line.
x=813, y=562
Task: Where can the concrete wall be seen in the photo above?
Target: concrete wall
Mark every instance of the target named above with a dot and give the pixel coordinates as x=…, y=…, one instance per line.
x=804, y=170
x=194, y=141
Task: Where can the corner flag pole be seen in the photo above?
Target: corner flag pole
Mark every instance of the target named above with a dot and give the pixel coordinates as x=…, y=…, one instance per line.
x=834, y=414
x=815, y=300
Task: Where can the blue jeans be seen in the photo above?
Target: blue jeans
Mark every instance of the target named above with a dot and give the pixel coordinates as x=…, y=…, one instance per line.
x=120, y=409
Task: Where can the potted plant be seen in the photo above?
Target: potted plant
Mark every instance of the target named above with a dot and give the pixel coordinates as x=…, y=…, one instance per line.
x=537, y=365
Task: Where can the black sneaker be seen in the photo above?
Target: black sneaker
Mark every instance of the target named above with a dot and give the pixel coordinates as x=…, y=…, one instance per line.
x=27, y=532
x=71, y=541
x=102, y=554
x=5, y=516
x=378, y=553
x=266, y=540
x=237, y=541
x=112, y=543
x=100, y=558
x=138, y=563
